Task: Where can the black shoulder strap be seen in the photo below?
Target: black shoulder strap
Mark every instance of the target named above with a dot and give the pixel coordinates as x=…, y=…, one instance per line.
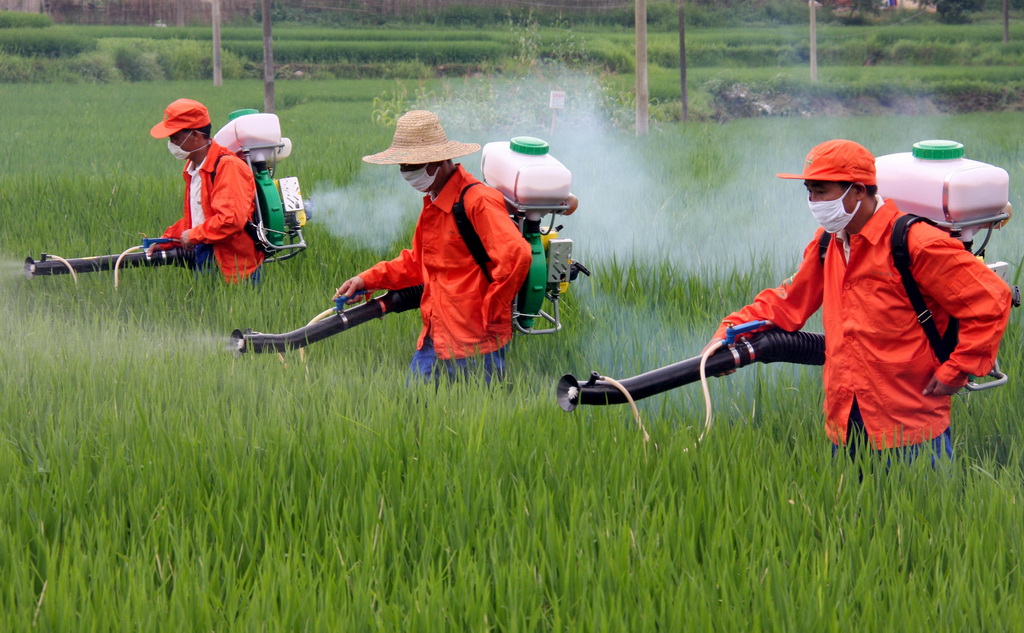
x=468, y=233
x=823, y=243
x=941, y=345
x=216, y=164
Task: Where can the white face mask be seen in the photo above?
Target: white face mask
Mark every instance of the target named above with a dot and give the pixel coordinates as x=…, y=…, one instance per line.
x=176, y=151
x=419, y=179
x=179, y=153
x=831, y=214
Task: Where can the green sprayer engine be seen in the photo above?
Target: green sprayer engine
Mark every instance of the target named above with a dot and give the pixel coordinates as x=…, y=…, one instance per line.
x=535, y=185
x=280, y=210
x=276, y=225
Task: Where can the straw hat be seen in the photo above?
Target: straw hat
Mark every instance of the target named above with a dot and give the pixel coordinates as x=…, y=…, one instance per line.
x=419, y=138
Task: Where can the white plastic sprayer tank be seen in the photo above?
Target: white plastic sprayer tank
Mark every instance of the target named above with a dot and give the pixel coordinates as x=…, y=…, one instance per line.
x=524, y=171
x=260, y=133
x=936, y=181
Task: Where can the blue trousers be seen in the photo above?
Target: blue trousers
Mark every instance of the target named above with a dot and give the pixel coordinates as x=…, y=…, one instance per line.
x=857, y=436
x=426, y=366
x=205, y=262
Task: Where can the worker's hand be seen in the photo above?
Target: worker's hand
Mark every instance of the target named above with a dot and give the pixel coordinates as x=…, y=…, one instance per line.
x=350, y=288
x=185, y=241
x=937, y=388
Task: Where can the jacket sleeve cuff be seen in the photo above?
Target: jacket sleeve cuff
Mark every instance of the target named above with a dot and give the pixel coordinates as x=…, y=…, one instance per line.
x=950, y=376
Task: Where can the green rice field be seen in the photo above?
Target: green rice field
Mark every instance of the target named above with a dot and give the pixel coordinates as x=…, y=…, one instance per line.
x=153, y=481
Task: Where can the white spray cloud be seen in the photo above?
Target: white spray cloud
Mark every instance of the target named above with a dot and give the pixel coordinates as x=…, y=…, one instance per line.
x=374, y=210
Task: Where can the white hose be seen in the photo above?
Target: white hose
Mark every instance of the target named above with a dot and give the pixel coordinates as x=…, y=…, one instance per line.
x=320, y=317
x=66, y=263
x=117, y=264
x=704, y=385
x=636, y=412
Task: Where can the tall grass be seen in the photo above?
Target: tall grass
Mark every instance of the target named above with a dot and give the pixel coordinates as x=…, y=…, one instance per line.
x=155, y=482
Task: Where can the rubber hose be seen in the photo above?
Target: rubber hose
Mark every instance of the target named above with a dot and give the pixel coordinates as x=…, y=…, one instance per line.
x=771, y=346
x=391, y=302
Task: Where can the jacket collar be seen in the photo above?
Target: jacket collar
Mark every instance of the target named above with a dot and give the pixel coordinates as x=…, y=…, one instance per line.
x=881, y=220
x=452, y=189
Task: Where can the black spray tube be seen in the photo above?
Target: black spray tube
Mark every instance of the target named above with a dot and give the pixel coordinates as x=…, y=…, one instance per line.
x=388, y=303
x=771, y=346
x=48, y=266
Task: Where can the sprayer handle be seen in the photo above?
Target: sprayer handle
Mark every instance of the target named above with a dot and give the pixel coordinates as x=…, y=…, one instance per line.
x=339, y=303
x=744, y=328
x=150, y=241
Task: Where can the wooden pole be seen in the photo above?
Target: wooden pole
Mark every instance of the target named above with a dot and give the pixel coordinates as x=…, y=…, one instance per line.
x=642, y=90
x=1006, y=21
x=268, y=61
x=685, y=116
x=814, y=41
x=218, y=77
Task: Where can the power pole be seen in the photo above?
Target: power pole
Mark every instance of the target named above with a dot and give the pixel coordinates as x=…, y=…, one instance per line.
x=268, y=61
x=682, y=63
x=642, y=90
x=218, y=78
x=1006, y=21
x=814, y=41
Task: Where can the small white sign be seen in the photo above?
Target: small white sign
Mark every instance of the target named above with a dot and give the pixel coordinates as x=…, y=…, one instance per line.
x=557, y=99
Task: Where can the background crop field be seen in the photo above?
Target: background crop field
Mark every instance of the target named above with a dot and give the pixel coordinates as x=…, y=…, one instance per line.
x=154, y=482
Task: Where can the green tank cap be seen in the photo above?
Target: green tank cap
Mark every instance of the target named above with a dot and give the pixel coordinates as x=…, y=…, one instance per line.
x=938, y=150
x=244, y=111
x=528, y=145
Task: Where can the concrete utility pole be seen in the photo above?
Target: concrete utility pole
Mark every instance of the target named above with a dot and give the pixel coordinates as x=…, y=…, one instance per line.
x=1006, y=21
x=682, y=64
x=814, y=41
x=268, y=61
x=642, y=90
x=218, y=78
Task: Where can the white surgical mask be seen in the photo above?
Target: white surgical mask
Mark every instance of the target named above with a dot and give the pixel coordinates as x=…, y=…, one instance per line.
x=176, y=151
x=179, y=153
x=831, y=214
x=419, y=179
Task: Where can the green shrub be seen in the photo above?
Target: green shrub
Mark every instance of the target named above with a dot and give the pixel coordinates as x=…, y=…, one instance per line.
x=44, y=42
x=94, y=67
x=16, y=69
x=190, y=59
x=138, y=65
x=17, y=19
x=434, y=53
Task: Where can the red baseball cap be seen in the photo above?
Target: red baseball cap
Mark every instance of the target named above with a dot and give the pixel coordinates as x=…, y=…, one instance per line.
x=838, y=161
x=183, y=114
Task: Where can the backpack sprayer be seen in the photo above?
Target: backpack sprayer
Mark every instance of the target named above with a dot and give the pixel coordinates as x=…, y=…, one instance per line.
x=276, y=225
x=534, y=185
x=934, y=182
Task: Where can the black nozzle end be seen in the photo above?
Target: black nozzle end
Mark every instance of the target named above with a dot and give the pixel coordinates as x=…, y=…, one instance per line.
x=568, y=392
x=238, y=342
x=30, y=268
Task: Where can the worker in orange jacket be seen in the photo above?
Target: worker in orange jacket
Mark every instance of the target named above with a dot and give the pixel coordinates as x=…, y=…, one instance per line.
x=220, y=194
x=467, y=313
x=883, y=382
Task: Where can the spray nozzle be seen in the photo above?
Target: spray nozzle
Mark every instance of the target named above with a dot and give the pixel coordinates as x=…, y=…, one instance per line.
x=339, y=303
x=149, y=241
x=744, y=328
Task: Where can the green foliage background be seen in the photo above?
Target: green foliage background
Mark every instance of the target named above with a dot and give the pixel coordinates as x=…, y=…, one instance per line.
x=155, y=482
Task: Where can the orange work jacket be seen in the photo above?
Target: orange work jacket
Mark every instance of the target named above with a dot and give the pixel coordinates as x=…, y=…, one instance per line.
x=462, y=312
x=228, y=201
x=875, y=350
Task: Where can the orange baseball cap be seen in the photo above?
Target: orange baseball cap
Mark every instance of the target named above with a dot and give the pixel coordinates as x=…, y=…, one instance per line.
x=838, y=161
x=183, y=114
